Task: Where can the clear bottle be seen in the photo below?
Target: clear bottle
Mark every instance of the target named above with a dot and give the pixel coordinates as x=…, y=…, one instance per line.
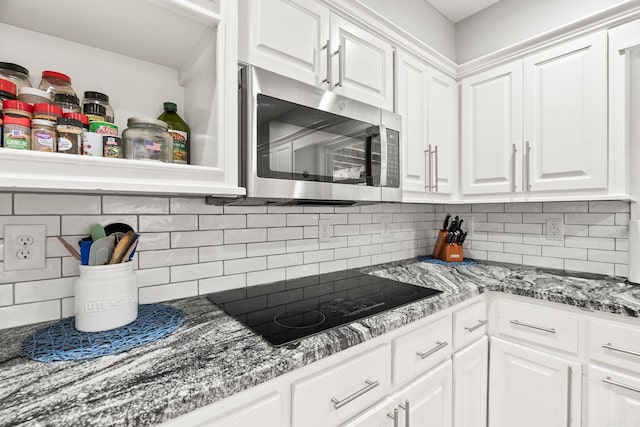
x=69, y=135
x=91, y=97
x=55, y=82
x=68, y=103
x=179, y=130
x=15, y=73
x=7, y=91
x=147, y=139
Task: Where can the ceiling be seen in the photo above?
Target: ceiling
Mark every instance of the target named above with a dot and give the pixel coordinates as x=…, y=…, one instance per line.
x=457, y=10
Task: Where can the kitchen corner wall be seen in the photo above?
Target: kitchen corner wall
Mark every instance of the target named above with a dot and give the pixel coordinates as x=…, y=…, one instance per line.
x=189, y=248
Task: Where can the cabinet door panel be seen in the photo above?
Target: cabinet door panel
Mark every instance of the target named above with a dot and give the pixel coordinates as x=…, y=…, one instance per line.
x=491, y=125
x=443, y=129
x=610, y=404
x=286, y=37
x=376, y=416
x=411, y=95
x=529, y=388
x=364, y=68
x=470, y=375
x=565, y=110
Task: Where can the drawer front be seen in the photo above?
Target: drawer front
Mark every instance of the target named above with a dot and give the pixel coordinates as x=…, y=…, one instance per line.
x=469, y=324
x=340, y=392
x=539, y=325
x=614, y=343
x=421, y=349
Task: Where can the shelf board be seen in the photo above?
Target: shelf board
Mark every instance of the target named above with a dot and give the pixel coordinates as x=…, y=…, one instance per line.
x=35, y=171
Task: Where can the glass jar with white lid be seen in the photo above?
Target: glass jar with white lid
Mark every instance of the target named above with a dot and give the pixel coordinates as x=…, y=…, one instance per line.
x=147, y=139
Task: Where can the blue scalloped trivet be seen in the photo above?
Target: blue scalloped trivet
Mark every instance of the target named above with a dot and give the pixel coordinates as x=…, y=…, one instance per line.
x=431, y=260
x=61, y=341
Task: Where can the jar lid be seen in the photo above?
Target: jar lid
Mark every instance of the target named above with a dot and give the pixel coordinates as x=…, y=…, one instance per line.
x=42, y=122
x=7, y=86
x=22, y=121
x=17, y=105
x=96, y=95
x=13, y=67
x=146, y=121
x=170, y=106
x=56, y=75
x=68, y=121
x=34, y=92
x=67, y=99
x=47, y=108
x=78, y=116
x=96, y=109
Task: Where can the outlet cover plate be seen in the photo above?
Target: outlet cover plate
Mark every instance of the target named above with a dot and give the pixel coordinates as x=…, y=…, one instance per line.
x=325, y=230
x=14, y=235
x=555, y=229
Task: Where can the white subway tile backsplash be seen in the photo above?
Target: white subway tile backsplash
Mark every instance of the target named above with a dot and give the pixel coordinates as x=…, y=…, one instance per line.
x=297, y=220
x=273, y=220
x=608, y=206
x=318, y=256
x=487, y=246
x=475, y=253
x=531, y=239
x=589, y=267
x=153, y=241
x=68, y=307
x=380, y=258
x=576, y=230
x=335, y=242
x=203, y=270
x=622, y=245
x=589, y=219
x=247, y=235
x=523, y=228
x=302, y=271
x=543, y=261
x=245, y=265
x=505, y=217
x=230, y=209
x=191, y=239
x=70, y=267
x=284, y=233
x=346, y=230
x=311, y=232
x=488, y=207
x=222, y=283
x=541, y=218
x=164, y=223
x=527, y=207
x=303, y=245
x=6, y=204
x=376, y=208
x=504, y=257
x=359, y=240
x=52, y=270
x=515, y=248
x=222, y=222
x=220, y=253
x=266, y=248
x=81, y=224
x=567, y=253
x=622, y=219
x=54, y=249
x=55, y=204
x=160, y=293
x=43, y=290
x=318, y=209
x=192, y=205
x=138, y=204
x=285, y=260
x=167, y=257
x=335, y=218
x=341, y=264
x=153, y=276
x=608, y=256
x=51, y=222
x=266, y=276
x=284, y=209
x=565, y=207
x=6, y=295
x=371, y=249
x=502, y=237
x=24, y=314
x=342, y=253
x=363, y=261
x=366, y=218
x=620, y=231
x=489, y=226
x=590, y=242
x=622, y=270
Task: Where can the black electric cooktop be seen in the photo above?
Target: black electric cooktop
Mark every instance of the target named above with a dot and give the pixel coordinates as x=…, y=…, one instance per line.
x=286, y=311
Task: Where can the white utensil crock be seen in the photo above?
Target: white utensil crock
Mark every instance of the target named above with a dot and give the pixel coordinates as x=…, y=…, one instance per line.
x=106, y=297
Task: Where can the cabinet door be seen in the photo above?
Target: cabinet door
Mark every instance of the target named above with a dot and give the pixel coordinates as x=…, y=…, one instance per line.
x=565, y=110
x=429, y=399
x=379, y=415
x=613, y=398
x=363, y=64
x=470, y=380
x=411, y=101
x=442, y=128
x=288, y=37
x=529, y=388
x=491, y=113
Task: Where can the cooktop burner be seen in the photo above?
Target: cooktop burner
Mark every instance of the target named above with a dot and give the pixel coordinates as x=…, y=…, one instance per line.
x=289, y=310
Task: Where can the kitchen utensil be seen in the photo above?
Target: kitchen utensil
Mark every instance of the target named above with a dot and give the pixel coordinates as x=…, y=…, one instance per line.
x=101, y=250
x=441, y=239
x=122, y=247
x=129, y=253
x=97, y=232
x=72, y=251
x=446, y=221
x=117, y=229
x=454, y=224
x=463, y=238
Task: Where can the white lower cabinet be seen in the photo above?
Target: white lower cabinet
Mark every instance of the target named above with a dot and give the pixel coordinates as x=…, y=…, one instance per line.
x=613, y=398
x=471, y=379
x=383, y=414
x=532, y=388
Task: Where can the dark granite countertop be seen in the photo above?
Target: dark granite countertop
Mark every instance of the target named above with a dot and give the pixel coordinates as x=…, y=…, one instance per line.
x=212, y=356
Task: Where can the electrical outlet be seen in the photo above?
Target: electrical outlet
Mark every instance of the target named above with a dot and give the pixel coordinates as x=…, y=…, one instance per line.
x=325, y=230
x=555, y=229
x=385, y=226
x=24, y=247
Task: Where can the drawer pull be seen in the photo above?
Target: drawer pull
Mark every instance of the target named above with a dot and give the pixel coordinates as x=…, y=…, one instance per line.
x=407, y=413
x=394, y=417
x=441, y=344
x=528, y=325
x=337, y=404
x=609, y=346
x=608, y=380
x=480, y=324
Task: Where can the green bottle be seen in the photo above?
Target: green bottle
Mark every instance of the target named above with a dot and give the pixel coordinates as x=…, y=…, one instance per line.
x=179, y=130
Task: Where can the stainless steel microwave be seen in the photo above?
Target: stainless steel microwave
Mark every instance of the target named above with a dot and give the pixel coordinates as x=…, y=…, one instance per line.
x=302, y=142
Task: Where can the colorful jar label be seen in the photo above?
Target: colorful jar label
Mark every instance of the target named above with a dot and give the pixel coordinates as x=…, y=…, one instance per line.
x=64, y=144
x=179, y=146
x=43, y=140
x=154, y=146
x=103, y=128
x=112, y=147
x=16, y=139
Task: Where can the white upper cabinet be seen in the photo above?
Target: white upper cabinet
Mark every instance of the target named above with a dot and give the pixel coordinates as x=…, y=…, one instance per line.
x=427, y=100
x=363, y=64
x=565, y=116
x=303, y=40
x=491, y=113
x=286, y=36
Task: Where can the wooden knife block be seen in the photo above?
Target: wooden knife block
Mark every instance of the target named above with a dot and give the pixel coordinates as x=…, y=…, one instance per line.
x=445, y=252
x=441, y=242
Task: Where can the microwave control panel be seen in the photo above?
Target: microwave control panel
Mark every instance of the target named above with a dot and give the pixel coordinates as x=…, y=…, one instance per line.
x=393, y=158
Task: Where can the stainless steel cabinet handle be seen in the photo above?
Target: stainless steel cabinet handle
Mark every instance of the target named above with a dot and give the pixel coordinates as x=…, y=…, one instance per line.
x=407, y=413
x=328, y=79
x=436, y=163
x=441, y=345
x=427, y=175
x=514, y=187
x=608, y=380
x=394, y=417
x=528, y=154
x=340, y=53
x=337, y=404
x=480, y=324
x=609, y=346
x=529, y=325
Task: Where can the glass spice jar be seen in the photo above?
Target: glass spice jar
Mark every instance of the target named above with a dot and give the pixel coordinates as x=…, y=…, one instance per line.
x=69, y=135
x=16, y=132
x=49, y=112
x=15, y=73
x=55, y=82
x=95, y=112
x=68, y=103
x=7, y=91
x=43, y=135
x=91, y=97
x=34, y=96
x=15, y=108
x=147, y=139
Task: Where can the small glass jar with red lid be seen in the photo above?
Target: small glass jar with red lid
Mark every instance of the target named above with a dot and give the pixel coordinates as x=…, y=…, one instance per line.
x=55, y=82
x=19, y=109
x=47, y=112
x=8, y=90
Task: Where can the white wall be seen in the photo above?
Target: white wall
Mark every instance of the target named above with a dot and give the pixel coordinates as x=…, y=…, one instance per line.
x=420, y=19
x=511, y=21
